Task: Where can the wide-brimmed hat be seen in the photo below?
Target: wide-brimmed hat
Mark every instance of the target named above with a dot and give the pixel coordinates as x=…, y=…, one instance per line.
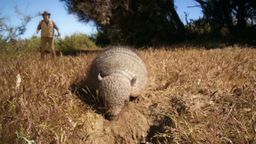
x=45, y=13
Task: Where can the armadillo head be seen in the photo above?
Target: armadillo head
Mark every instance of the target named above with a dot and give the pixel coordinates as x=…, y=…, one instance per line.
x=115, y=90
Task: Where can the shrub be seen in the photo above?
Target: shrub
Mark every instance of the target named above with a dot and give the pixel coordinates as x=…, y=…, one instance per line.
x=20, y=46
x=75, y=42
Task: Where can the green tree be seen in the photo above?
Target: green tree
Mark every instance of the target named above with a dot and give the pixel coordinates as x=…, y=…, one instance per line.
x=233, y=14
x=136, y=22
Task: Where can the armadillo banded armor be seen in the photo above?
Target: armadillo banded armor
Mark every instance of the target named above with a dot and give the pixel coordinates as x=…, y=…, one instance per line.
x=117, y=73
x=125, y=62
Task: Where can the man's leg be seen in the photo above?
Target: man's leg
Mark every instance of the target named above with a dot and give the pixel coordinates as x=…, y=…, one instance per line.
x=51, y=44
x=43, y=46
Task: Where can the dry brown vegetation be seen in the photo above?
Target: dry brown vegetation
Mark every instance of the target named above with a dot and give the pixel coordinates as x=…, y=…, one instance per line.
x=193, y=96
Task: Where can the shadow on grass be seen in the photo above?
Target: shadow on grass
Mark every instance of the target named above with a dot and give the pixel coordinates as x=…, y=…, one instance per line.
x=207, y=42
x=160, y=132
x=213, y=41
x=217, y=43
x=88, y=96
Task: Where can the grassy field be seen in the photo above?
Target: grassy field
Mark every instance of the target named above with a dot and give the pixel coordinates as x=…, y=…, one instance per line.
x=193, y=96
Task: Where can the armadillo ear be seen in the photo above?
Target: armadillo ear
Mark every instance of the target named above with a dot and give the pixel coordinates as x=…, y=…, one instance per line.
x=133, y=81
x=99, y=77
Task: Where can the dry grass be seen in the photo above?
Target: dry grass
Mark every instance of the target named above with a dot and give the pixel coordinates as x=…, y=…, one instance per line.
x=194, y=96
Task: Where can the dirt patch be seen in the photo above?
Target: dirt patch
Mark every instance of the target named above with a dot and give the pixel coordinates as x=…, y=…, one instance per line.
x=131, y=126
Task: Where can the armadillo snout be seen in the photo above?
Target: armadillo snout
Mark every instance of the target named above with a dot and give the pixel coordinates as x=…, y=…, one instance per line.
x=110, y=116
x=115, y=91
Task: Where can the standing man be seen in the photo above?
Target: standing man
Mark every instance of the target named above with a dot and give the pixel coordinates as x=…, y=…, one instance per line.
x=47, y=27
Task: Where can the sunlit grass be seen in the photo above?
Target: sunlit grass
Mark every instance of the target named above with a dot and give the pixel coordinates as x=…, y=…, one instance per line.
x=208, y=95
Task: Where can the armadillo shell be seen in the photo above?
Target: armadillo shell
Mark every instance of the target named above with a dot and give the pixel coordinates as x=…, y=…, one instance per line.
x=124, y=61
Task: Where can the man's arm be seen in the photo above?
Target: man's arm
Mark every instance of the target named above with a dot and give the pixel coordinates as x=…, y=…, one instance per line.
x=55, y=26
x=39, y=27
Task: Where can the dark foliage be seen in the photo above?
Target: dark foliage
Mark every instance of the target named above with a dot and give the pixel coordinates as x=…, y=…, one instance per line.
x=137, y=22
x=235, y=15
